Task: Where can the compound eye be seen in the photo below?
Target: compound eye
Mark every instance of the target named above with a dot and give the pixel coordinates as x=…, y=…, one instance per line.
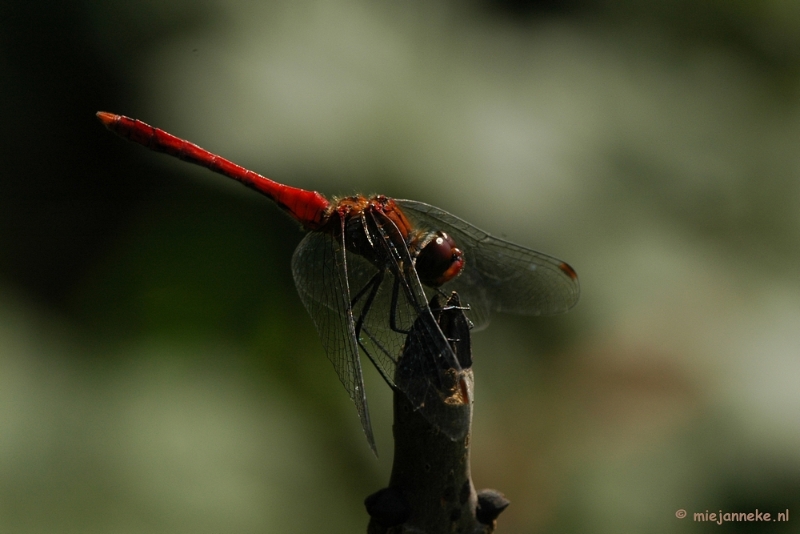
x=439, y=261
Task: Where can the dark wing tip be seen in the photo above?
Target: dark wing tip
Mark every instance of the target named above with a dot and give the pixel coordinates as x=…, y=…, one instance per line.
x=569, y=271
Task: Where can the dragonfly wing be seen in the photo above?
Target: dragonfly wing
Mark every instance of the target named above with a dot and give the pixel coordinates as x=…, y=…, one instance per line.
x=499, y=275
x=428, y=372
x=361, y=309
x=319, y=269
x=423, y=365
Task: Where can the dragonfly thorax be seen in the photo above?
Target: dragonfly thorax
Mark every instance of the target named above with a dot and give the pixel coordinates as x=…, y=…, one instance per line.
x=377, y=229
x=374, y=228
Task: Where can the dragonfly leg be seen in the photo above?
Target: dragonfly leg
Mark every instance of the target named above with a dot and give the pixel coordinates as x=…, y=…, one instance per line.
x=372, y=286
x=371, y=290
x=393, y=312
x=448, y=307
x=385, y=352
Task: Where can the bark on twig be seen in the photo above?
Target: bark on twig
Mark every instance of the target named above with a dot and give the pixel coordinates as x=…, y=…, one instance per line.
x=431, y=490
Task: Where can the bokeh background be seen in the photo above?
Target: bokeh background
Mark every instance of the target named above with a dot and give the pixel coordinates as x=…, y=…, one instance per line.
x=159, y=374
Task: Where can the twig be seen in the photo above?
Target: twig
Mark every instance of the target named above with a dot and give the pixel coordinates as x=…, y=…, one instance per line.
x=431, y=489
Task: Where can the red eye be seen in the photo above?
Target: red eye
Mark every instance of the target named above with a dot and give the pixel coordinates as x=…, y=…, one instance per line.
x=439, y=261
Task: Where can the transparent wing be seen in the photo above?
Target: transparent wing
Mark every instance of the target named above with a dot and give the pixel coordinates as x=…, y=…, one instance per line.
x=319, y=270
x=499, y=275
x=361, y=309
x=429, y=371
x=422, y=366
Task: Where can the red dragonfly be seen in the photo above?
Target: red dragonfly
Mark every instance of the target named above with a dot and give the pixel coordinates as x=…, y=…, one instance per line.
x=366, y=254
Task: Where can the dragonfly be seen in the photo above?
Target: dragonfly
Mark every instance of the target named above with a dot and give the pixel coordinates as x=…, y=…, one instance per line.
x=368, y=265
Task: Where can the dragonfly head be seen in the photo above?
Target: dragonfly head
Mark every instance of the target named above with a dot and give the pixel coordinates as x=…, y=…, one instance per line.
x=439, y=261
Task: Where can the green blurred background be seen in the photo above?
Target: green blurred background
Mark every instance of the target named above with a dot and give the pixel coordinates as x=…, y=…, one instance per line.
x=159, y=374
